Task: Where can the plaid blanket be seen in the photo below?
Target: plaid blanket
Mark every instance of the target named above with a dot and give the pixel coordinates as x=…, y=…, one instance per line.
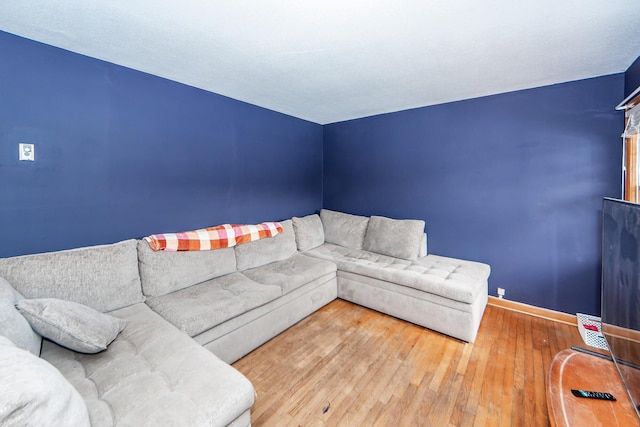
x=220, y=236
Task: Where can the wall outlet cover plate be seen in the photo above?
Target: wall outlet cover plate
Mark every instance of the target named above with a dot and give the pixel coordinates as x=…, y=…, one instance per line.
x=26, y=152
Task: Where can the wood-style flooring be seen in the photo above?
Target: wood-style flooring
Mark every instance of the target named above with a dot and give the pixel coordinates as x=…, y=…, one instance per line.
x=346, y=365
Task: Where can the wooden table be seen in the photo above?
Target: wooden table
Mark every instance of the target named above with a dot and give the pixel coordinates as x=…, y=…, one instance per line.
x=575, y=370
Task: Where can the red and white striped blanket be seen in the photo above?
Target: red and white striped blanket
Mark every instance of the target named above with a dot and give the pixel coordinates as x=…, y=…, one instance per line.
x=220, y=236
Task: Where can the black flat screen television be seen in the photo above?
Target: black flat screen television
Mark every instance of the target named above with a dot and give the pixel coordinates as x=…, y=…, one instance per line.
x=620, y=309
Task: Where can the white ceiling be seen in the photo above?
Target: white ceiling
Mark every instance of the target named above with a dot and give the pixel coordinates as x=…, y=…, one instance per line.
x=334, y=60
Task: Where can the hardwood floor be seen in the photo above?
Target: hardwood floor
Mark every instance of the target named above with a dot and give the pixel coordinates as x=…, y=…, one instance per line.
x=351, y=366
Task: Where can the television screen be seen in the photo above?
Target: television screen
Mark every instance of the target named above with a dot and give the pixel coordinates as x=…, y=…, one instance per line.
x=620, y=308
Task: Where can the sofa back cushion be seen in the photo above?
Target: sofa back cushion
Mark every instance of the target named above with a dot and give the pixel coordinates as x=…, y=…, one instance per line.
x=266, y=251
x=163, y=272
x=13, y=325
x=423, y=246
x=394, y=237
x=344, y=229
x=102, y=277
x=309, y=232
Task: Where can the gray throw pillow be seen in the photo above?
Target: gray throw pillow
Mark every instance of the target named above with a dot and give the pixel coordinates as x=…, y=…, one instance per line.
x=12, y=324
x=72, y=325
x=400, y=238
x=344, y=229
x=309, y=232
x=34, y=393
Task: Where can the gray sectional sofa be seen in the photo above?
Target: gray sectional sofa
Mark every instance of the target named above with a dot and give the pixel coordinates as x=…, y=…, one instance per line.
x=163, y=311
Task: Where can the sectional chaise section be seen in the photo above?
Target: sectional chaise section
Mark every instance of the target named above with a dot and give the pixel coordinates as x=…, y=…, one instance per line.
x=381, y=266
x=177, y=305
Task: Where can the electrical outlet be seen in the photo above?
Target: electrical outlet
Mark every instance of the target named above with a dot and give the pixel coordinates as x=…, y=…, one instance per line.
x=501, y=293
x=26, y=152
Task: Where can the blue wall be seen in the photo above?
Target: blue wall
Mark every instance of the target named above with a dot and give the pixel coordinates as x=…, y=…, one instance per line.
x=632, y=78
x=514, y=180
x=122, y=154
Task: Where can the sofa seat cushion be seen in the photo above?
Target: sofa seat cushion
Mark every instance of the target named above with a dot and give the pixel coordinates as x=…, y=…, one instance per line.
x=451, y=278
x=348, y=281
x=291, y=273
x=153, y=374
x=198, y=308
x=343, y=256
